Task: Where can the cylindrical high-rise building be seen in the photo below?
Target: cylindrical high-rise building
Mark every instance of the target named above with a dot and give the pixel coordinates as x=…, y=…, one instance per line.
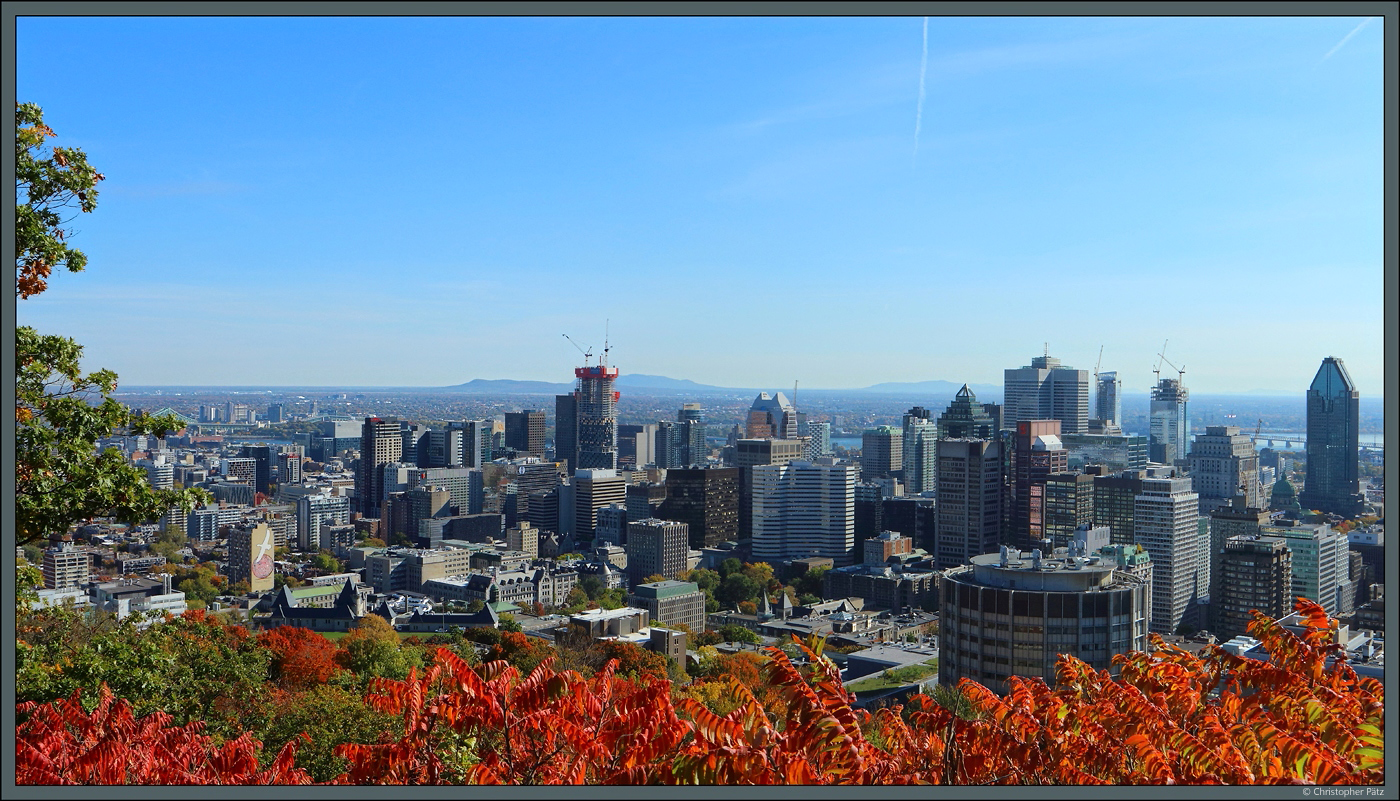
x=1013, y=613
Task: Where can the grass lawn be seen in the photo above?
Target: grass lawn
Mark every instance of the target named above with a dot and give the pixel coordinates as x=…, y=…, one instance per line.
x=899, y=677
x=335, y=636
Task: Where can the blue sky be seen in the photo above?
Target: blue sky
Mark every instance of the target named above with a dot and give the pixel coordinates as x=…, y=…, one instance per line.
x=425, y=201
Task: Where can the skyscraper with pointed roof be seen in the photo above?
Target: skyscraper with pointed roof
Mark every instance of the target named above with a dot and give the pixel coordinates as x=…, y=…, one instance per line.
x=1333, y=483
x=771, y=416
x=965, y=418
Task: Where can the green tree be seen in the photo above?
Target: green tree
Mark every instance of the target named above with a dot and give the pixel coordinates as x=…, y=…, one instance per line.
x=325, y=561
x=735, y=589
x=372, y=650
x=52, y=182
x=736, y=633
x=60, y=478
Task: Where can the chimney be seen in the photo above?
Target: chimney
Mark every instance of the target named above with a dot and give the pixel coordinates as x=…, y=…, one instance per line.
x=165, y=582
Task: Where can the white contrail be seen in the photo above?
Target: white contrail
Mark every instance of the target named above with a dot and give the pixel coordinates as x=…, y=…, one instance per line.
x=923, y=68
x=1347, y=38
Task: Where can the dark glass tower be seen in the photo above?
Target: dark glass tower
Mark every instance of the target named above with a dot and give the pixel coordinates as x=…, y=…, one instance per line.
x=1332, y=483
x=966, y=418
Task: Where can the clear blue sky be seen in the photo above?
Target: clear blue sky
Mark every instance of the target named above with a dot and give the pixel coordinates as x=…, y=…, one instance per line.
x=426, y=201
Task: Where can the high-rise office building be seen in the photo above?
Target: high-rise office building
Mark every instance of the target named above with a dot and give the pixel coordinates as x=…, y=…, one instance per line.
x=1168, y=427
x=1108, y=398
x=920, y=450
x=818, y=439
x=596, y=417
x=635, y=445
x=706, y=499
x=971, y=484
x=803, y=509
x=771, y=416
x=965, y=418
x=1234, y=520
x=525, y=432
x=412, y=436
x=1115, y=503
x=566, y=431
x=1069, y=504
x=691, y=420
x=250, y=555
x=1047, y=390
x=1256, y=574
x=668, y=444
x=656, y=548
x=1223, y=464
x=749, y=453
x=65, y=567
x=465, y=485
x=1321, y=569
x=288, y=468
x=1332, y=483
x=1114, y=452
x=262, y=456
x=441, y=449
x=241, y=469
x=314, y=510
x=1085, y=607
x=1038, y=454
x=381, y=442
x=881, y=452
x=595, y=488
x=1167, y=525
x=477, y=442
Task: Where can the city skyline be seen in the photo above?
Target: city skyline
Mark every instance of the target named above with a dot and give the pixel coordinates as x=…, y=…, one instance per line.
x=1084, y=182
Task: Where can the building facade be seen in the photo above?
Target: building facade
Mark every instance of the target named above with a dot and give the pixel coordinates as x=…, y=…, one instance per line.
x=803, y=509
x=1223, y=464
x=1169, y=429
x=656, y=548
x=1047, y=390
x=1332, y=483
x=971, y=494
x=1014, y=613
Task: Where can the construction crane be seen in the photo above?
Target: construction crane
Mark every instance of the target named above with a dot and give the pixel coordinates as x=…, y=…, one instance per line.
x=1180, y=371
x=1259, y=428
x=1097, y=363
x=587, y=354
x=1157, y=371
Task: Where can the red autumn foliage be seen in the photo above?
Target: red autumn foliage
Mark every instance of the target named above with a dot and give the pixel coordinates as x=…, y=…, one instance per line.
x=60, y=743
x=301, y=658
x=1171, y=717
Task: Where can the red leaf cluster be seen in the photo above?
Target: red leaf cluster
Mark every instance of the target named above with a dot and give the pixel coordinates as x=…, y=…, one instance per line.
x=60, y=743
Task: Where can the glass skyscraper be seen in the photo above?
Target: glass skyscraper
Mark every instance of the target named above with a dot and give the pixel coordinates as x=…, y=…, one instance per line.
x=1332, y=483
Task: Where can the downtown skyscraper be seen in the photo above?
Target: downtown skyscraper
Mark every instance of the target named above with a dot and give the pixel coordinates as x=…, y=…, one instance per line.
x=1168, y=427
x=585, y=422
x=1047, y=390
x=1333, y=483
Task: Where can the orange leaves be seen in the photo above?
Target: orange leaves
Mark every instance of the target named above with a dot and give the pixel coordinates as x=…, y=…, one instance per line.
x=59, y=743
x=1171, y=717
x=301, y=658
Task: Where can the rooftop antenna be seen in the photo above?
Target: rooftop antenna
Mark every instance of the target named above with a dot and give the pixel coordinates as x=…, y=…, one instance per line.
x=1047, y=350
x=603, y=360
